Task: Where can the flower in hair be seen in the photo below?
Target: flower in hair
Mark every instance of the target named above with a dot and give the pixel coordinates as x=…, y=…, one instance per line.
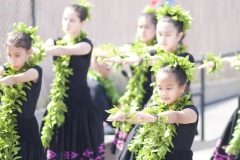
x=87, y=5
x=172, y=60
x=177, y=13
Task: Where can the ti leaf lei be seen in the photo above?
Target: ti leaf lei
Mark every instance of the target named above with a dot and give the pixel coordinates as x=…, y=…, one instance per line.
x=12, y=97
x=177, y=13
x=155, y=139
x=216, y=60
x=56, y=108
x=107, y=84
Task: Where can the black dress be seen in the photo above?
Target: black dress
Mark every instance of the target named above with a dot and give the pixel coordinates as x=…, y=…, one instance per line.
x=27, y=125
x=81, y=136
x=219, y=150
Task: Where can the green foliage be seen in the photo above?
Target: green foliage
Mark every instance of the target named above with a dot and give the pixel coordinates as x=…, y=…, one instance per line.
x=87, y=5
x=12, y=97
x=107, y=84
x=154, y=139
x=111, y=51
x=149, y=10
x=172, y=60
x=132, y=98
x=56, y=108
x=216, y=60
x=177, y=13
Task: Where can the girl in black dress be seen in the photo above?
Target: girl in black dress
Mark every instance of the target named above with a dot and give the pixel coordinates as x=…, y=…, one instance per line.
x=72, y=128
x=21, y=80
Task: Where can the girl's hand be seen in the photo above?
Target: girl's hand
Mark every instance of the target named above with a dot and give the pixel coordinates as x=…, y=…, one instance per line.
x=117, y=117
x=116, y=59
x=205, y=65
x=132, y=59
x=99, y=52
x=49, y=43
x=146, y=118
x=235, y=64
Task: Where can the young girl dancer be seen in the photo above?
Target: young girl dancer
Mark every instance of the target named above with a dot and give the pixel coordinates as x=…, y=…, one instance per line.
x=72, y=127
x=169, y=123
x=21, y=80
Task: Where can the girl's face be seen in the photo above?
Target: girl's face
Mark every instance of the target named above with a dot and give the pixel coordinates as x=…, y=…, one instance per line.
x=168, y=36
x=146, y=30
x=168, y=88
x=71, y=23
x=17, y=56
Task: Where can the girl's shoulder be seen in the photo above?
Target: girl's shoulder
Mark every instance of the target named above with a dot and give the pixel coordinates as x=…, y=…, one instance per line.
x=87, y=40
x=191, y=107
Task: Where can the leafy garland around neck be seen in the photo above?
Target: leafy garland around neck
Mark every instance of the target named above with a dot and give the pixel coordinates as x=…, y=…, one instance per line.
x=56, y=108
x=107, y=84
x=12, y=97
x=132, y=98
x=155, y=139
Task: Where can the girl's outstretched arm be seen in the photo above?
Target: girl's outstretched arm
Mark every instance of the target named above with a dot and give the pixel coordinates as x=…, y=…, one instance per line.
x=81, y=48
x=30, y=75
x=1, y=71
x=182, y=117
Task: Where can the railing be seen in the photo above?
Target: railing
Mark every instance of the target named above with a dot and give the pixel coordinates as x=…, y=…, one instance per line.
x=201, y=93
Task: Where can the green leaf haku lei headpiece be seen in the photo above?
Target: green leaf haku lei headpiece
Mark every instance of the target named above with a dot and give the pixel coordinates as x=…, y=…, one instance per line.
x=12, y=97
x=177, y=13
x=107, y=84
x=56, y=108
x=154, y=139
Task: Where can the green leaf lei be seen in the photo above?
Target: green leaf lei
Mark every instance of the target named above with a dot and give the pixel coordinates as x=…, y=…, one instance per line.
x=154, y=139
x=132, y=98
x=216, y=60
x=12, y=97
x=56, y=108
x=107, y=84
x=177, y=13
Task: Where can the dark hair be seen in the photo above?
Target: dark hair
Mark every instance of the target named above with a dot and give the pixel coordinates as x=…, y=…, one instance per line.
x=81, y=11
x=152, y=16
x=177, y=24
x=19, y=39
x=179, y=74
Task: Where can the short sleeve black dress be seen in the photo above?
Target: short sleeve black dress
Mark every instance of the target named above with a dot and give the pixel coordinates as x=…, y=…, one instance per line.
x=27, y=125
x=81, y=136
